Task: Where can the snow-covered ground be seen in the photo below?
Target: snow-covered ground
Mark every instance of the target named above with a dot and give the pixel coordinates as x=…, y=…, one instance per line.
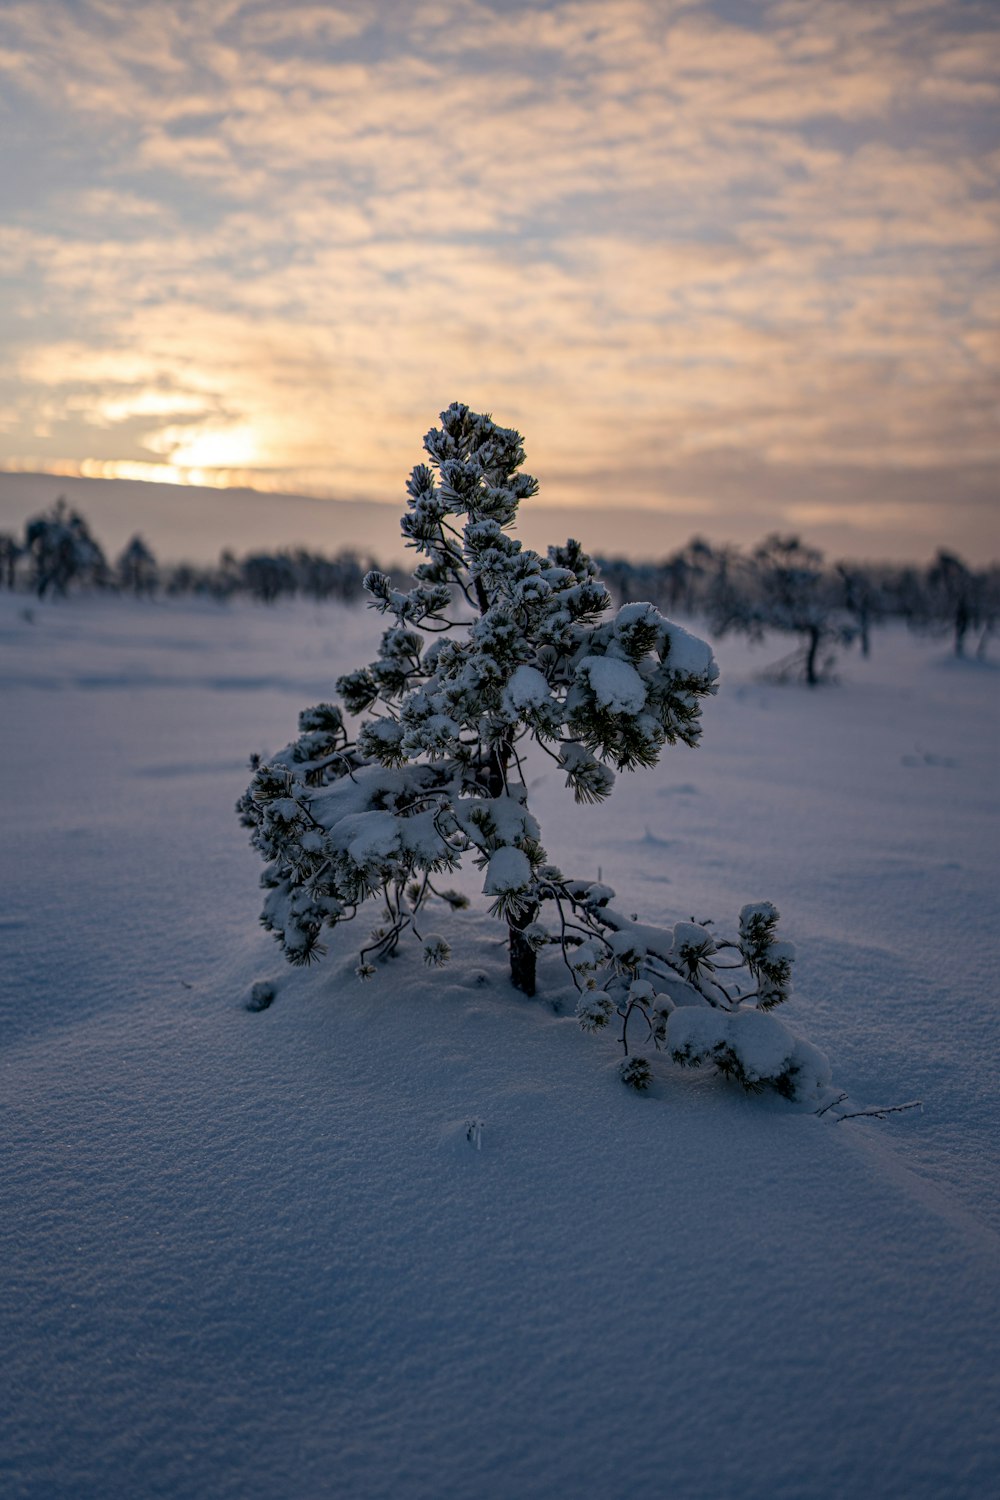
x=257, y=1255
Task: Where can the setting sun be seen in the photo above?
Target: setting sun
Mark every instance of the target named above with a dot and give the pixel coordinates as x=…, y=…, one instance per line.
x=208, y=447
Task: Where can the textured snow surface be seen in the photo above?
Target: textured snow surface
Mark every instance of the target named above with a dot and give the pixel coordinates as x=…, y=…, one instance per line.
x=412, y=1238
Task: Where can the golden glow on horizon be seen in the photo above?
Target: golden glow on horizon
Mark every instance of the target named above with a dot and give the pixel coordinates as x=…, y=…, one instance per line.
x=188, y=448
x=96, y=468
x=150, y=473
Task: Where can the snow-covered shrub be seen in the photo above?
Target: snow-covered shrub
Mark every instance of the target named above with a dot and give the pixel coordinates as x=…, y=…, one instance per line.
x=753, y=1049
x=686, y=990
x=262, y=995
x=494, y=646
x=635, y=1073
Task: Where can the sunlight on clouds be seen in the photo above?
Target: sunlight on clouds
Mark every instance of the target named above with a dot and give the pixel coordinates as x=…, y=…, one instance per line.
x=148, y=403
x=662, y=238
x=870, y=517
x=310, y=24
x=208, y=447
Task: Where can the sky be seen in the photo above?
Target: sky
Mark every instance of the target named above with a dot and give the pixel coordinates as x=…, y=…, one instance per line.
x=731, y=263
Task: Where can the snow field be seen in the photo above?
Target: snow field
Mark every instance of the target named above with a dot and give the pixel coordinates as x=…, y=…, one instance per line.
x=259, y=1254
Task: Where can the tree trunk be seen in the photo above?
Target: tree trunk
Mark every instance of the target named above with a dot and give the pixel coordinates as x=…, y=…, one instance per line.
x=814, y=640
x=522, y=955
x=961, y=627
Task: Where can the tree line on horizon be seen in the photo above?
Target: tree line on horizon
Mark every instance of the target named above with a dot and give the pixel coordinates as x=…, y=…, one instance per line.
x=780, y=585
x=59, y=553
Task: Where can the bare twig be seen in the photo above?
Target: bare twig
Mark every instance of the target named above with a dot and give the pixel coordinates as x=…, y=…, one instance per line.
x=879, y=1112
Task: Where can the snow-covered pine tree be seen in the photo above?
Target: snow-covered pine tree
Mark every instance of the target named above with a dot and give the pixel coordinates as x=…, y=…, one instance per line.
x=493, y=647
x=62, y=551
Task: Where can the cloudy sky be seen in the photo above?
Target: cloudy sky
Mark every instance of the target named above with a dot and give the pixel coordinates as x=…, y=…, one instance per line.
x=734, y=262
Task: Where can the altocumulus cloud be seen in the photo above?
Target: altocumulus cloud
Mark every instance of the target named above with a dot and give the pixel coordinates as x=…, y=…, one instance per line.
x=731, y=261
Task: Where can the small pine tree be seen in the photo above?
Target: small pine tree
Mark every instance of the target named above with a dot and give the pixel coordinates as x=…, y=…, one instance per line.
x=494, y=647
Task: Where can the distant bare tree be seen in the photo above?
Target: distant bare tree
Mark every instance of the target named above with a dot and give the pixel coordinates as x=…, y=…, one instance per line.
x=954, y=596
x=10, y=554
x=782, y=586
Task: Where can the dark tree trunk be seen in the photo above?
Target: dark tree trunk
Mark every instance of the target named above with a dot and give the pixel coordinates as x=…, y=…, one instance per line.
x=496, y=770
x=814, y=640
x=962, y=622
x=522, y=955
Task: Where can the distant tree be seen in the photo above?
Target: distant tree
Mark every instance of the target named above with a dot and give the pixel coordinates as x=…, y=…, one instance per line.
x=267, y=577
x=954, y=597
x=680, y=582
x=10, y=554
x=905, y=593
x=863, y=599
x=62, y=551
x=182, y=578
x=227, y=578
x=989, y=606
x=781, y=587
x=688, y=575
x=136, y=568
x=339, y=577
